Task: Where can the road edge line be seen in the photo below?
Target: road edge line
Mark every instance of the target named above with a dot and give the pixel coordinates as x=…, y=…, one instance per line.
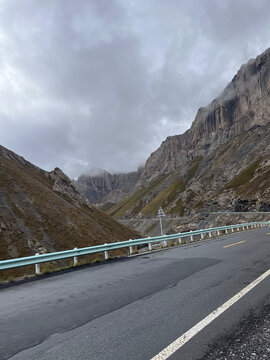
x=179, y=342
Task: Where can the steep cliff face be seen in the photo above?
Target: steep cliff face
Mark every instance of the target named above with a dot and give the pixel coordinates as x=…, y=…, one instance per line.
x=106, y=187
x=221, y=162
x=243, y=104
x=42, y=211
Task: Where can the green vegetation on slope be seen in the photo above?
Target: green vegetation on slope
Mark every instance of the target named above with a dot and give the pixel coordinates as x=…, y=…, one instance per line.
x=178, y=208
x=137, y=202
x=172, y=192
x=107, y=206
x=165, y=197
x=259, y=184
x=244, y=176
x=134, y=201
x=193, y=167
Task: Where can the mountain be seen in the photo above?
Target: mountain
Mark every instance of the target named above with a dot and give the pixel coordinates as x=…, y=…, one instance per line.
x=243, y=104
x=42, y=212
x=221, y=163
x=103, y=187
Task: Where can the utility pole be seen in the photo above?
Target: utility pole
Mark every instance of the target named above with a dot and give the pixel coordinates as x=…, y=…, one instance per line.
x=160, y=214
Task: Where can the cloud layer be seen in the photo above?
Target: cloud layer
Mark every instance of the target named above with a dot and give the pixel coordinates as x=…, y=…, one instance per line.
x=97, y=83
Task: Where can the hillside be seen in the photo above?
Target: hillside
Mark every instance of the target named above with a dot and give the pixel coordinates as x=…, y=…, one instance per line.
x=42, y=212
x=221, y=163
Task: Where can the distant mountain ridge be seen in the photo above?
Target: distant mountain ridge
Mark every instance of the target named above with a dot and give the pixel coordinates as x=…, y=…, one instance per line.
x=105, y=187
x=229, y=137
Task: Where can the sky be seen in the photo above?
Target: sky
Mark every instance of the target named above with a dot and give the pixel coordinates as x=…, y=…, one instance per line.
x=101, y=83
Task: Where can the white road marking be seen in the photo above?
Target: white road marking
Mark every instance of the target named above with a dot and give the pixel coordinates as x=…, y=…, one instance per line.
x=178, y=343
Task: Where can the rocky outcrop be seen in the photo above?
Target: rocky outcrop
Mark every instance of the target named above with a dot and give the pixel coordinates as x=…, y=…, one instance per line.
x=243, y=104
x=192, y=172
x=63, y=185
x=222, y=162
x=106, y=187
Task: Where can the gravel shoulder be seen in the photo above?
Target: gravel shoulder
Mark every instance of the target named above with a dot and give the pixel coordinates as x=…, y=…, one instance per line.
x=250, y=341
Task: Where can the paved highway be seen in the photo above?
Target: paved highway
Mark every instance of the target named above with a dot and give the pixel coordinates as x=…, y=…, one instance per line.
x=136, y=307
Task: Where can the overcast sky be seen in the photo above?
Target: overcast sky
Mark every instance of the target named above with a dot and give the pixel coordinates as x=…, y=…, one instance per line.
x=101, y=83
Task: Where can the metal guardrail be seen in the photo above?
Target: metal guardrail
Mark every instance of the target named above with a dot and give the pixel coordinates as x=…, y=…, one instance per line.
x=41, y=258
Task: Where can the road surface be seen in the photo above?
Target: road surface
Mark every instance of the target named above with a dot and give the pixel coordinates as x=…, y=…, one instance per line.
x=135, y=307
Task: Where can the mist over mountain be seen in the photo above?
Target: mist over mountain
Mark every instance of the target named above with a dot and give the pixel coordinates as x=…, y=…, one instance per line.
x=222, y=162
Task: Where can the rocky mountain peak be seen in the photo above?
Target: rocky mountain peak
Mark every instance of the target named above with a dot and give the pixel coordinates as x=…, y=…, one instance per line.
x=63, y=185
x=106, y=187
x=243, y=104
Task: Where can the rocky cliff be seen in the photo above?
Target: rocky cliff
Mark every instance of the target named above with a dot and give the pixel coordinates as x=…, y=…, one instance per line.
x=105, y=187
x=42, y=211
x=243, y=104
x=221, y=162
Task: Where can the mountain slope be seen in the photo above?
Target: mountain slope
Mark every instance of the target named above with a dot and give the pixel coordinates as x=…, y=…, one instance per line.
x=243, y=104
x=221, y=162
x=42, y=212
x=104, y=187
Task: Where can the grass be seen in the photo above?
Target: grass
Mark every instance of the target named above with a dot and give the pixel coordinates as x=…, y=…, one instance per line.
x=134, y=202
x=260, y=184
x=244, y=176
x=193, y=167
x=178, y=208
x=107, y=206
x=35, y=216
x=172, y=192
x=164, y=198
x=137, y=202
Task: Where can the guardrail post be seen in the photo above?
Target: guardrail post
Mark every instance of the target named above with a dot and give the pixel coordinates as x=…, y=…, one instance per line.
x=226, y=231
x=191, y=236
x=37, y=266
x=218, y=233
x=232, y=230
x=237, y=228
x=149, y=245
x=106, y=254
x=210, y=234
x=75, y=259
x=130, y=248
x=202, y=235
x=180, y=241
x=165, y=242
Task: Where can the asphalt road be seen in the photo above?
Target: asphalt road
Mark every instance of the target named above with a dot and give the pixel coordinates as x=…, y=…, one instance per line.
x=134, y=308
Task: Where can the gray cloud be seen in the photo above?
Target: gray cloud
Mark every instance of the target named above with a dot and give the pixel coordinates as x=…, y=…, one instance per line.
x=101, y=83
